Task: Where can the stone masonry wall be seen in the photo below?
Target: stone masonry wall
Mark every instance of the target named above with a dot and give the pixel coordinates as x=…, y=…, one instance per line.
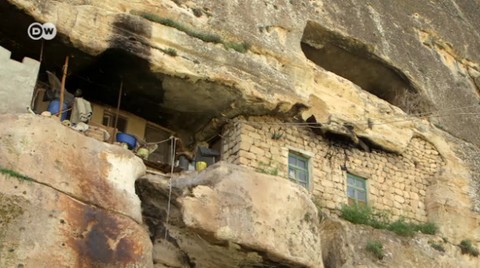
x=17, y=82
x=396, y=183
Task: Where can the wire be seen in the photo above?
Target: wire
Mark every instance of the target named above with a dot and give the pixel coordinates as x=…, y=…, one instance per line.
x=318, y=124
x=158, y=142
x=172, y=151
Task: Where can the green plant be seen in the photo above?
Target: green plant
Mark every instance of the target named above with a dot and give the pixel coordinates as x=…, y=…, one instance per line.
x=427, y=228
x=467, y=248
x=197, y=12
x=239, y=47
x=266, y=168
x=381, y=220
x=441, y=127
x=170, y=51
x=437, y=246
x=307, y=217
x=276, y=135
x=316, y=201
x=401, y=227
x=14, y=174
x=376, y=248
x=356, y=214
x=206, y=37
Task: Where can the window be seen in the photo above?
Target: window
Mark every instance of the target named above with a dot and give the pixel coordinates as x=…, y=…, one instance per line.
x=356, y=190
x=109, y=121
x=298, y=169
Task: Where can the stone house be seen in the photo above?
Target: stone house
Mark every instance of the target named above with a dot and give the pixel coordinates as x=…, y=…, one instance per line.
x=335, y=173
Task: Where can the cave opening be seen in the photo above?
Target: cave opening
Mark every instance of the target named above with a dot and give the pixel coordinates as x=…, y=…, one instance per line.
x=154, y=106
x=355, y=61
x=177, y=103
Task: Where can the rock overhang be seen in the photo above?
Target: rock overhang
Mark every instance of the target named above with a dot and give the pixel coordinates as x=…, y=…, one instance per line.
x=261, y=81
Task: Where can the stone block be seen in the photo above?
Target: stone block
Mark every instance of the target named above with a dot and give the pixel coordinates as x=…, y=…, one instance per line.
x=256, y=150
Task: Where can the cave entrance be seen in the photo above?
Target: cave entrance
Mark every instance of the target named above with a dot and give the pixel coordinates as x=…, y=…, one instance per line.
x=350, y=59
x=154, y=105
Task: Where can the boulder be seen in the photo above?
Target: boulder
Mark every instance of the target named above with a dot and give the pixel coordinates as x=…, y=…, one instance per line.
x=43, y=227
x=232, y=217
x=90, y=171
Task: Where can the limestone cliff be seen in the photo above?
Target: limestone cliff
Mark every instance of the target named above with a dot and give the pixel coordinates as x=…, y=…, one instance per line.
x=355, y=68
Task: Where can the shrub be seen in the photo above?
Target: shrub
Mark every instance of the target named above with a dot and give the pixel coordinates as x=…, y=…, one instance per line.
x=356, y=214
x=376, y=248
x=381, y=220
x=401, y=227
x=427, y=228
x=467, y=248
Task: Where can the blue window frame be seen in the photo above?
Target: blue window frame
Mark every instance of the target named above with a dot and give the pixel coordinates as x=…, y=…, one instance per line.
x=356, y=190
x=298, y=170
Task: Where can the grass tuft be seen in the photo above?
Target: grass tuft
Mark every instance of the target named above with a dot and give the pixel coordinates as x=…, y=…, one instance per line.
x=467, y=248
x=376, y=248
x=14, y=174
x=170, y=51
x=239, y=47
x=427, y=228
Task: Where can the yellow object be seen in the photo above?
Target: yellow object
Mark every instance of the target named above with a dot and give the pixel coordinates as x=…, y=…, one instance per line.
x=143, y=153
x=200, y=165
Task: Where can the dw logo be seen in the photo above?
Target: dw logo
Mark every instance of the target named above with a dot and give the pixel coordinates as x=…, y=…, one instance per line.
x=47, y=31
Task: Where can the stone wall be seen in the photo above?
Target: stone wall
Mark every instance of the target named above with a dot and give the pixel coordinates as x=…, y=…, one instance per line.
x=17, y=81
x=396, y=182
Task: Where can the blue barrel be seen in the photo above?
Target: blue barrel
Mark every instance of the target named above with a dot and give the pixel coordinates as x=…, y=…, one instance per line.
x=130, y=140
x=54, y=108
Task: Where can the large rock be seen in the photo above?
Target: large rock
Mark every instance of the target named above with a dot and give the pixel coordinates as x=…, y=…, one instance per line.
x=66, y=199
x=345, y=245
x=43, y=227
x=232, y=217
x=93, y=172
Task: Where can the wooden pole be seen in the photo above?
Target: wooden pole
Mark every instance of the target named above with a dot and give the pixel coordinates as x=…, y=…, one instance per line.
x=62, y=89
x=118, y=104
x=41, y=51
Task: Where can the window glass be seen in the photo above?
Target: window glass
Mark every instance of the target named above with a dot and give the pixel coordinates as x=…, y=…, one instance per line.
x=298, y=169
x=301, y=163
x=350, y=192
x=361, y=196
x=291, y=160
x=356, y=190
x=302, y=176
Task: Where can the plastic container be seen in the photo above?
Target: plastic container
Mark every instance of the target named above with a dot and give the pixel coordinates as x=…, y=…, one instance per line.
x=54, y=109
x=130, y=140
x=200, y=165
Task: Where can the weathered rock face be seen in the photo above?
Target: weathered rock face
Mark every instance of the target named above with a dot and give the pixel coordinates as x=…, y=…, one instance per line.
x=90, y=171
x=232, y=217
x=305, y=58
x=344, y=245
x=74, y=204
x=417, y=46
